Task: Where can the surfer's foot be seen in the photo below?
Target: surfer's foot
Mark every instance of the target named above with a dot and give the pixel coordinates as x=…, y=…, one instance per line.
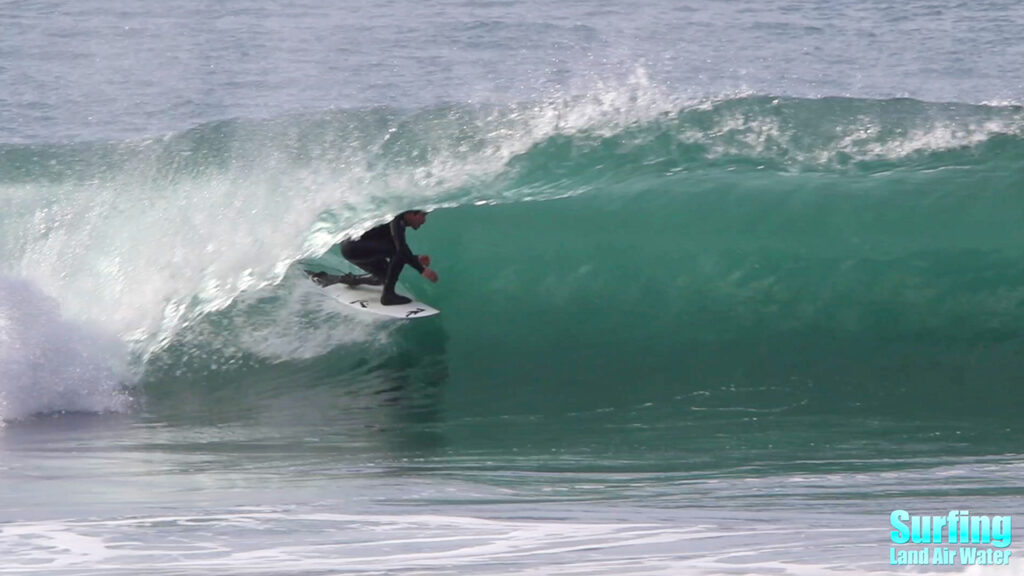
x=319, y=278
x=392, y=299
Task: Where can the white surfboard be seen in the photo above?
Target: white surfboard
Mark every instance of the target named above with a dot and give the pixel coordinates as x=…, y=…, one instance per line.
x=367, y=299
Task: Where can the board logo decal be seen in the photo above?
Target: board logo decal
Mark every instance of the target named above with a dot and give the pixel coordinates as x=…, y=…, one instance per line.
x=414, y=312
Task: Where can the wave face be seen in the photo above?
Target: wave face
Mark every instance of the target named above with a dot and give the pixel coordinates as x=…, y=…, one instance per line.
x=745, y=253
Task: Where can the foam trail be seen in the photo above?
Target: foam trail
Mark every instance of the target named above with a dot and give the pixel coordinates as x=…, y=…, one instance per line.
x=51, y=364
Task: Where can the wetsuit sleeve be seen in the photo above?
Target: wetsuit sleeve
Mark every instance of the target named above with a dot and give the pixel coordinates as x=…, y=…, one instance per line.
x=401, y=248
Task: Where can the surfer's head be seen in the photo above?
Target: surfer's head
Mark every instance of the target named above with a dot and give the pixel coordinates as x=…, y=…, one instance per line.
x=415, y=218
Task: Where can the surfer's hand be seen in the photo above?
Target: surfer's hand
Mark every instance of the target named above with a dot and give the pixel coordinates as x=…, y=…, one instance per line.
x=430, y=275
x=425, y=261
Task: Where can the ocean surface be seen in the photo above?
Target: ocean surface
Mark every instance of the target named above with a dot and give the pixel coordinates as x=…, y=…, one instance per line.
x=723, y=285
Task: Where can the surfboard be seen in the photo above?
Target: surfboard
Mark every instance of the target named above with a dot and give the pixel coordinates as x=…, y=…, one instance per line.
x=367, y=299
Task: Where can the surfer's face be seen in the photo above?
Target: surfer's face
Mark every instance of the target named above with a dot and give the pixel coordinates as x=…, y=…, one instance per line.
x=416, y=219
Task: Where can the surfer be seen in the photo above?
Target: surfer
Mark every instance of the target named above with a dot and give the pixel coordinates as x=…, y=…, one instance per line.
x=383, y=252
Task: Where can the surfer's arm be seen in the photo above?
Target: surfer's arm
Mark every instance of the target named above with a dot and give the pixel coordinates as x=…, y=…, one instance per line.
x=401, y=248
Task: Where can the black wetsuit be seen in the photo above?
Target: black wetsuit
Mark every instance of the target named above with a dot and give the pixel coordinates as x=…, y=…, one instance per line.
x=383, y=252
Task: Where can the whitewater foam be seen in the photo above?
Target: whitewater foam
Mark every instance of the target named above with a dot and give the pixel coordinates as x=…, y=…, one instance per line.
x=49, y=363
